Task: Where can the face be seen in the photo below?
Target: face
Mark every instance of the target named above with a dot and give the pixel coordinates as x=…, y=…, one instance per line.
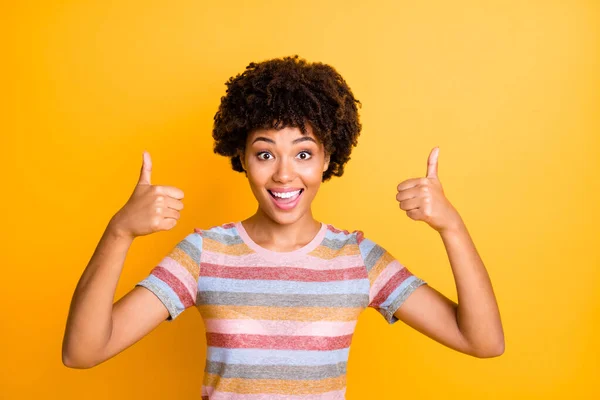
x=284, y=169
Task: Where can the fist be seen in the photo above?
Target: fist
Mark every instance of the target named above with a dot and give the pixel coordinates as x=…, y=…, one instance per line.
x=423, y=198
x=150, y=208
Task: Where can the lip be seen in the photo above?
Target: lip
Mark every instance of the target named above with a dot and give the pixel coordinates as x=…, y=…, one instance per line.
x=287, y=206
x=283, y=190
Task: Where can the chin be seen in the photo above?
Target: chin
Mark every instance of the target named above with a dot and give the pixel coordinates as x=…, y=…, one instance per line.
x=282, y=217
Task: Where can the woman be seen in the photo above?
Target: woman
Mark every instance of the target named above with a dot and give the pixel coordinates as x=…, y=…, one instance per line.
x=280, y=292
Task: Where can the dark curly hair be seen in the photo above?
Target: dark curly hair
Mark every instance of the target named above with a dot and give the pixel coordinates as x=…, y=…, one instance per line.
x=290, y=92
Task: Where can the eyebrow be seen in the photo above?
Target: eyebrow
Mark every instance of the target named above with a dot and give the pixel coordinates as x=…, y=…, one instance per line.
x=299, y=140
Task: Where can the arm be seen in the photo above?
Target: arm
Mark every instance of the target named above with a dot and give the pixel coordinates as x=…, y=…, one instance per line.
x=473, y=325
x=96, y=329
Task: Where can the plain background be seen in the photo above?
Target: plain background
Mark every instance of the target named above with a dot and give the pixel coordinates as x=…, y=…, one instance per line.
x=509, y=90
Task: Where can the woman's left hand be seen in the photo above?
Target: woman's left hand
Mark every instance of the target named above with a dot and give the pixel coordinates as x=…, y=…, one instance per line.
x=423, y=199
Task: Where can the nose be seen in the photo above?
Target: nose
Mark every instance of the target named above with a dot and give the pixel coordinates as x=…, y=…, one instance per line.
x=284, y=172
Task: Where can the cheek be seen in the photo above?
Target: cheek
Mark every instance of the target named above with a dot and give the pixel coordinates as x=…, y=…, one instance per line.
x=315, y=168
x=312, y=172
x=256, y=174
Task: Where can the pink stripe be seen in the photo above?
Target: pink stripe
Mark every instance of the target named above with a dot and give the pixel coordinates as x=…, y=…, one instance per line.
x=277, y=342
x=310, y=262
x=216, y=395
x=390, y=286
x=360, y=236
x=270, y=327
x=181, y=273
x=174, y=284
x=384, y=276
x=281, y=273
x=335, y=230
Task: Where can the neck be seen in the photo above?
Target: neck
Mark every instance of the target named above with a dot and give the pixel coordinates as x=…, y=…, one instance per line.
x=276, y=236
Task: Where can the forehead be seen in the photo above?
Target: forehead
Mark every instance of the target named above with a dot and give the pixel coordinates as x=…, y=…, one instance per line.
x=281, y=135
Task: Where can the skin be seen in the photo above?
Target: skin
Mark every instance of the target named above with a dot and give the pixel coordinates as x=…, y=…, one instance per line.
x=283, y=158
x=471, y=326
x=97, y=329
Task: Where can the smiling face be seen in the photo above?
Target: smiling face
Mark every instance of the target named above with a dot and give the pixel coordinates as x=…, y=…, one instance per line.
x=284, y=169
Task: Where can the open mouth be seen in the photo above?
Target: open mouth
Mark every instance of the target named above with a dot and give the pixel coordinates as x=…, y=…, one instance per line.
x=286, y=203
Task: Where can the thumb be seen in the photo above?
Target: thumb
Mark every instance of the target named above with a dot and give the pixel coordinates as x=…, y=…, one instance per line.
x=432, y=166
x=146, y=169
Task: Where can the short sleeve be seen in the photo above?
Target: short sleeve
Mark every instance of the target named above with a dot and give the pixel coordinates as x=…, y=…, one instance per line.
x=175, y=279
x=390, y=282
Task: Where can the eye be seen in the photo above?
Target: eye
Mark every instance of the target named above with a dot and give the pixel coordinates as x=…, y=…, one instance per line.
x=259, y=155
x=307, y=155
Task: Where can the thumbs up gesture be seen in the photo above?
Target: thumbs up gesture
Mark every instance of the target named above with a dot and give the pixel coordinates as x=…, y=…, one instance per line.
x=150, y=208
x=423, y=199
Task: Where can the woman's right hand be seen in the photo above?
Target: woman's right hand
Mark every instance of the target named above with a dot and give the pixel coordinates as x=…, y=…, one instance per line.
x=150, y=208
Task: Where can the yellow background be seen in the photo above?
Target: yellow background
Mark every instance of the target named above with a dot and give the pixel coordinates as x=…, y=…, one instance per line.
x=509, y=90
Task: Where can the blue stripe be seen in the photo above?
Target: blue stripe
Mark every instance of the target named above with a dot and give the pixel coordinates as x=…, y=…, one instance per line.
x=397, y=291
x=224, y=231
x=365, y=247
x=337, y=236
x=166, y=291
x=276, y=357
x=349, y=286
x=195, y=239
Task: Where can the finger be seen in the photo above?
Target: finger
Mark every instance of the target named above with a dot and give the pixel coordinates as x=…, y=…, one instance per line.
x=409, y=183
x=408, y=193
x=432, y=163
x=146, y=170
x=167, y=223
x=170, y=191
x=174, y=204
x=170, y=213
x=410, y=204
x=415, y=214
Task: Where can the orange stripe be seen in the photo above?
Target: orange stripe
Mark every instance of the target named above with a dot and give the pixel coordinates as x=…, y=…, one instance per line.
x=181, y=257
x=218, y=247
x=383, y=261
x=280, y=313
x=327, y=253
x=274, y=386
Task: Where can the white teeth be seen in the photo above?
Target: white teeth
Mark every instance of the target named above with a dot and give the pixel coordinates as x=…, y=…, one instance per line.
x=285, y=195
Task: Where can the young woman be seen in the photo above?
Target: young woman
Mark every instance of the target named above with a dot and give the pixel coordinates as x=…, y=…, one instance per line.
x=280, y=292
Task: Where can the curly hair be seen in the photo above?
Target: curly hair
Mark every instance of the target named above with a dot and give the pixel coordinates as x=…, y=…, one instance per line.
x=290, y=92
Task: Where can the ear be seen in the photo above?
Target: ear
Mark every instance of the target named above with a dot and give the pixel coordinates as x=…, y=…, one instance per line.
x=326, y=164
x=242, y=159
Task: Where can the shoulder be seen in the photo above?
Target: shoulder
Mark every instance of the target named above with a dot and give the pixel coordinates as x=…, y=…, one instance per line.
x=357, y=237
x=344, y=235
x=215, y=237
x=215, y=230
x=348, y=237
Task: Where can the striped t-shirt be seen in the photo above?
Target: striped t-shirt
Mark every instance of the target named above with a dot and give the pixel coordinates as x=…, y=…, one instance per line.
x=278, y=325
